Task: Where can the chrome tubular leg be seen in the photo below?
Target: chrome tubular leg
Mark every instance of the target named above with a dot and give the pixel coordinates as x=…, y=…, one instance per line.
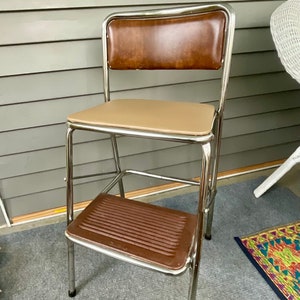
x=69, y=175
x=209, y=220
x=70, y=213
x=199, y=229
x=71, y=269
x=211, y=196
x=213, y=179
x=117, y=163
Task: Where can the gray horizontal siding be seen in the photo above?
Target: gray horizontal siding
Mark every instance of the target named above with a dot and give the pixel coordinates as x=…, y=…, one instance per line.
x=20, y=5
x=50, y=57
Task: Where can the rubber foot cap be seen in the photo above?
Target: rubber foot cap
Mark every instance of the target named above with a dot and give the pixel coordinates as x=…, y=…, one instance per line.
x=72, y=294
x=207, y=237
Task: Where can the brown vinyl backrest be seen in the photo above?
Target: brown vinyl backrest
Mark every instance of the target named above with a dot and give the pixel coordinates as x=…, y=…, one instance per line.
x=182, y=42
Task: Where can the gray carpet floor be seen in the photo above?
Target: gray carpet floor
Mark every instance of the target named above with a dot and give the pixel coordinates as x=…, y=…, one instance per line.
x=33, y=262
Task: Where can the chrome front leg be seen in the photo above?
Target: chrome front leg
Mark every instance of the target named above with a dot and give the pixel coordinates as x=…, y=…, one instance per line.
x=204, y=187
x=70, y=211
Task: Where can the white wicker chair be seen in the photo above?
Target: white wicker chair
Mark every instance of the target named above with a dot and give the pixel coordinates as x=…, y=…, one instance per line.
x=285, y=29
x=5, y=215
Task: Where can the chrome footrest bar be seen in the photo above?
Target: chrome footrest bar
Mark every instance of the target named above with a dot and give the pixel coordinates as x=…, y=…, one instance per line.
x=116, y=179
x=94, y=175
x=180, y=180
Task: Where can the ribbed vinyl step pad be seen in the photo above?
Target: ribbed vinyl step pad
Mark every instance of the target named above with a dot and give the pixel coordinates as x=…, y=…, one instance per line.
x=149, y=233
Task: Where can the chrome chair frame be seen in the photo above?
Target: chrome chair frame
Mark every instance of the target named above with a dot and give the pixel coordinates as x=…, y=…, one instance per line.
x=210, y=148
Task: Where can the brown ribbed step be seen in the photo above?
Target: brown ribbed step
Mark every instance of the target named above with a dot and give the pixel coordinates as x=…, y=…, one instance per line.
x=149, y=233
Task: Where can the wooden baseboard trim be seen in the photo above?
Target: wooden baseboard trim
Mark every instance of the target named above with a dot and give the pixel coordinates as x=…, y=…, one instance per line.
x=139, y=193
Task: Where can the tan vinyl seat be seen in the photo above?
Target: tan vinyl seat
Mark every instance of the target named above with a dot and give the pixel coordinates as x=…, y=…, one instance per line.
x=163, y=239
x=194, y=119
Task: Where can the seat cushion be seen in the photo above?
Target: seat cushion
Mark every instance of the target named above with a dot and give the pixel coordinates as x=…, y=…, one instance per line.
x=183, y=118
x=148, y=233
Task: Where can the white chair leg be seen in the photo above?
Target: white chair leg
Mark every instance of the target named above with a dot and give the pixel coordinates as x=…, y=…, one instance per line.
x=278, y=173
x=6, y=218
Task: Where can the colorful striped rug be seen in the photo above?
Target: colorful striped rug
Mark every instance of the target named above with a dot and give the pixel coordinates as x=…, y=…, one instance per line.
x=275, y=252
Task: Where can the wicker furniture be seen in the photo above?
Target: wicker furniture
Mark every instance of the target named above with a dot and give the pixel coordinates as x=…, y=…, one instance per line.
x=285, y=29
x=4, y=212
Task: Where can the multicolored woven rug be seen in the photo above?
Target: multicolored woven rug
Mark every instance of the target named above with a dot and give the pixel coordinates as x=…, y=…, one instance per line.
x=275, y=252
